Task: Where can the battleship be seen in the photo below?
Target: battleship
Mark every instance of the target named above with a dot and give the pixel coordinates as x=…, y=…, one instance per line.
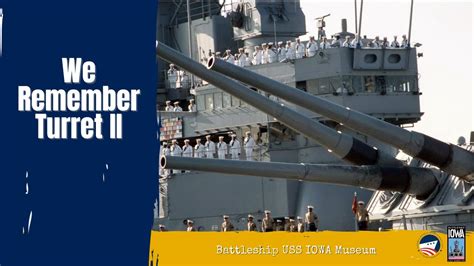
x=325, y=125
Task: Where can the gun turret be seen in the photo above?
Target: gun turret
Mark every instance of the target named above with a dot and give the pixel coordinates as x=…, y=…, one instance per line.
x=420, y=182
x=341, y=144
x=448, y=157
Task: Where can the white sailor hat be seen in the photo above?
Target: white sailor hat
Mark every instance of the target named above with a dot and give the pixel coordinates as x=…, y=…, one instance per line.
x=247, y=132
x=292, y=220
x=233, y=135
x=280, y=42
x=299, y=218
x=256, y=46
x=171, y=65
x=278, y=221
x=186, y=141
x=198, y=140
x=174, y=141
x=289, y=41
x=221, y=137
x=208, y=136
x=228, y=50
x=161, y=226
x=167, y=102
x=360, y=202
x=175, y=103
x=264, y=44
x=191, y=100
x=190, y=222
x=348, y=37
x=225, y=216
x=270, y=43
x=287, y=218
x=241, y=49
x=218, y=53
x=310, y=207
x=250, y=216
x=267, y=211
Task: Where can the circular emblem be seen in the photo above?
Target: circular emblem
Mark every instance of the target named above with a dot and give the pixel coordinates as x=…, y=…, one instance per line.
x=429, y=245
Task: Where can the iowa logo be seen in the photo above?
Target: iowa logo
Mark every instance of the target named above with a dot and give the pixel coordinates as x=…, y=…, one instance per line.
x=429, y=245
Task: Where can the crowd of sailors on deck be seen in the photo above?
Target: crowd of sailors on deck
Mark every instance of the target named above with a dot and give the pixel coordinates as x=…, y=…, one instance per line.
x=177, y=108
x=269, y=53
x=211, y=150
x=308, y=223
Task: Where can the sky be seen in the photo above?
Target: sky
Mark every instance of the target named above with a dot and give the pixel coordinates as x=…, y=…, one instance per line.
x=444, y=28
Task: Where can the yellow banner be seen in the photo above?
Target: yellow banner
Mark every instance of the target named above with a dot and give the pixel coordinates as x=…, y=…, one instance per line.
x=321, y=248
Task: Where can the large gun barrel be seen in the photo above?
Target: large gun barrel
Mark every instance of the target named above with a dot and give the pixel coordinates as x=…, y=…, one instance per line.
x=450, y=158
x=341, y=144
x=420, y=182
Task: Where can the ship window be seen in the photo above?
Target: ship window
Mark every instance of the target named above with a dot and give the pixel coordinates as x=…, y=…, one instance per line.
x=370, y=58
x=218, y=100
x=235, y=101
x=200, y=102
x=394, y=58
x=209, y=101
x=226, y=102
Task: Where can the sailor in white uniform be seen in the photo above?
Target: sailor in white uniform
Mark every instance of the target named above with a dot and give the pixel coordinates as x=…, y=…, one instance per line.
x=281, y=52
x=347, y=42
x=404, y=43
x=249, y=144
x=175, y=149
x=385, y=43
x=234, y=146
x=324, y=44
x=336, y=42
x=257, y=56
x=299, y=49
x=210, y=147
x=248, y=61
x=172, y=76
x=242, y=58
x=184, y=80
x=229, y=58
x=311, y=47
x=168, y=107
x=177, y=108
x=187, y=149
x=221, y=148
x=199, y=149
x=395, y=43
x=264, y=53
x=290, y=51
x=271, y=53
x=191, y=106
x=376, y=43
